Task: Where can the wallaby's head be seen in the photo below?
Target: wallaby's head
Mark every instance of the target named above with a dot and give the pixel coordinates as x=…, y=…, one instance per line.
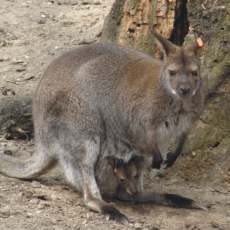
x=127, y=173
x=180, y=75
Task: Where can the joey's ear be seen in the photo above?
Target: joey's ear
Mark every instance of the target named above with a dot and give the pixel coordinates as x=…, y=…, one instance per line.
x=112, y=161
x=115, y=162
x=196, y=46
x=165, y=45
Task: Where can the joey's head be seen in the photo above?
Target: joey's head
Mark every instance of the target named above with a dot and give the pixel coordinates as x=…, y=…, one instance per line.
x=180, y=74
x=127, y=173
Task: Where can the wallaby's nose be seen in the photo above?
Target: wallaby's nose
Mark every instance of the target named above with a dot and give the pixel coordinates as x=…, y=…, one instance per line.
x=184, y=90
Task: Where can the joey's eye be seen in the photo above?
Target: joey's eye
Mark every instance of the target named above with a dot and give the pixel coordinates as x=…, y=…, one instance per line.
x=194, y=73
x=172, y=72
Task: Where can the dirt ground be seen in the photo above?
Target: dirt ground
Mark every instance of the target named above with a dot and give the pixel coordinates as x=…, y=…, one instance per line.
x=32, y=33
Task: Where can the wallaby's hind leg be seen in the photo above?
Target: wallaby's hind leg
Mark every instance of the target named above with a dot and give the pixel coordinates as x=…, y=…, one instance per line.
x=85, y=168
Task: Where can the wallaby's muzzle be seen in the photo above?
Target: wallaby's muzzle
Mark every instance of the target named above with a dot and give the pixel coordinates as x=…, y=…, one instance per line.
x=184, y=90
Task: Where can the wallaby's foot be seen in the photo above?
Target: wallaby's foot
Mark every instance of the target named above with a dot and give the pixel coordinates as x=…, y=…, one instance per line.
x=178, y=201
x=106, y=209
x=114, y=214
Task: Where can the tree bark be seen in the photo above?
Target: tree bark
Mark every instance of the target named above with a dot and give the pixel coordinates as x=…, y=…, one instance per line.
x=129, y=22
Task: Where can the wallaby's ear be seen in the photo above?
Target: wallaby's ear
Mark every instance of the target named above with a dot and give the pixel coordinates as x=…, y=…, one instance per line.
x=196, y=46
x=165, y=45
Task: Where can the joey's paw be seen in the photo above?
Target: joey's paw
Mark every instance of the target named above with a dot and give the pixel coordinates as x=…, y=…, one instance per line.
x=170, y=159
x=114, y=214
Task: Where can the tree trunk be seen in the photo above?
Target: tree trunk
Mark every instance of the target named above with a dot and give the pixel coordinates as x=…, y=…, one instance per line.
x=129, y=22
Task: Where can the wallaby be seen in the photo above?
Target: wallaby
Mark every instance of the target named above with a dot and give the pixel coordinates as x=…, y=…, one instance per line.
x=129, y=186
x=105, y=100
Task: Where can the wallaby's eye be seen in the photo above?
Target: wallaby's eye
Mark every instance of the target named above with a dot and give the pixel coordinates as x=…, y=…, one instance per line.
x=136, y=177
x=172, y=72
x=194, y=73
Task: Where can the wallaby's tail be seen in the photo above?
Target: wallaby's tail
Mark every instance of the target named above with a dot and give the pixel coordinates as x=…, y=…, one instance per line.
x=169, y=199
x=165, y=199
x=30, y=168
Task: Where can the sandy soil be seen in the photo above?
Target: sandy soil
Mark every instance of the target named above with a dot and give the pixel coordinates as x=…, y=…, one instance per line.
x=31, y=34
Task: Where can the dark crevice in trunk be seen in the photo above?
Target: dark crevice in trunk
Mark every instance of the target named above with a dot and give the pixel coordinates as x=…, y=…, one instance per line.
x=181, y=23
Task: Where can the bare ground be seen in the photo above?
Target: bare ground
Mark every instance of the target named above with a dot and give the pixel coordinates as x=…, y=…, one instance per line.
x=31, y=34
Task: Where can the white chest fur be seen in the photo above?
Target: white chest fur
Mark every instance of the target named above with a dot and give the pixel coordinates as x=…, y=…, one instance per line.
x=171, y=129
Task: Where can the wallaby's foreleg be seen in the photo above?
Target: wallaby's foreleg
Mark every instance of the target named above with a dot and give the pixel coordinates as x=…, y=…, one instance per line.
x=82, y=174
x=172, y=156
x=157, y=158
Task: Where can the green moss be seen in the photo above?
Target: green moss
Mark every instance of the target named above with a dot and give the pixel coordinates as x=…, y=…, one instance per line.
x=111, y=28
x=133, y=4
x=146, y=44
x=214, y=127
x=153, y=16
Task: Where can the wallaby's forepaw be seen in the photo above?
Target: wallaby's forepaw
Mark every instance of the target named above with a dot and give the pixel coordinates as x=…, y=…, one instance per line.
x=114, y=214
x=157, y=162
x=182, y=202
x=170, y=159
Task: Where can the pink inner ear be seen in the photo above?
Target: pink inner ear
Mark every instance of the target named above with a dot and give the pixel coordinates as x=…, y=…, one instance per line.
x=200, y=43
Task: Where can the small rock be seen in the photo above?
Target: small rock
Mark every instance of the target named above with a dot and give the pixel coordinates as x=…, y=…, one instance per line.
x=87, y=41
x=34, y=201
x=21, y=69
x=27, y=194
x=97, y=3
x=39, y=211
x=193, y=154
x=36, y=184
x=2, y=59
x=87, y=216
x=4, y=213
x=84, y=222
x=54, y=196
x=154, y=228
x=17, y=61
x=215, y=225
x=43, y=205
x=29, y=214
x=42, y=20
x=67, y=23
x=86, y=2
x=138, y=226
x=42, y=197
x=8, y=152
x=7, y=92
